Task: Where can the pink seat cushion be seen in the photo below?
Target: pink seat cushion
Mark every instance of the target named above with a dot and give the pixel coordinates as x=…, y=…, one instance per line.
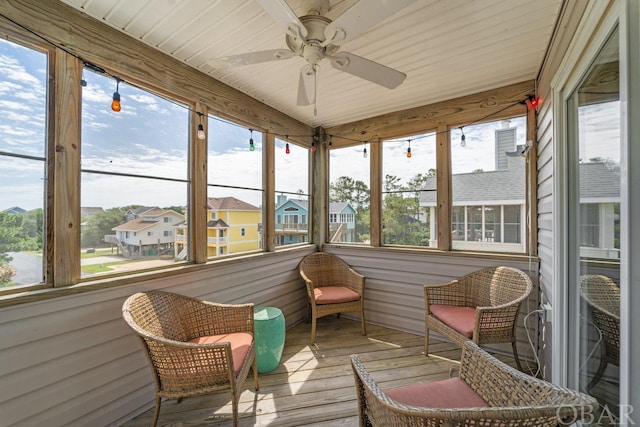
x=451, y=393
x=240, y=345
x=334, y=294
x=461, y=319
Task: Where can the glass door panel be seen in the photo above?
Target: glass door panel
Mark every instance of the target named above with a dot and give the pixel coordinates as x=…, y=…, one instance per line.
x=594, y=236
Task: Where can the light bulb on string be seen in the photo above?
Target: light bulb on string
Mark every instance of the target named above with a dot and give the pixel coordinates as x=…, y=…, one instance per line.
x=115, y=104
x=409, y=149
x=313, y=144
x=286, y=147
x=201, y=134
x=330, y=140
x=364, y=152
x=463, y=139
x=252, y=147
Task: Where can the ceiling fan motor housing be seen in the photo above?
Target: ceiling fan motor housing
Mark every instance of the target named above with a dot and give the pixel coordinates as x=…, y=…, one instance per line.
x=311, y=49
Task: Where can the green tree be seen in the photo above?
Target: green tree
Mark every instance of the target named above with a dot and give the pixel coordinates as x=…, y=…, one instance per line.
x=356, y=193
x=101, y=224
x=11, y=237
x=403, y=220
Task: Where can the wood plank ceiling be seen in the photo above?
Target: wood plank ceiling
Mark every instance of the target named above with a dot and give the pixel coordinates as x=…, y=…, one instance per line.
x=447, y=48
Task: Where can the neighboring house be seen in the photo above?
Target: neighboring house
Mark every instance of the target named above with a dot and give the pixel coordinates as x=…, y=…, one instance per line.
x=342, y=222
x=292, y=221
x=599, y=210
x=149, y=234
x=15, y=210
x=488, y=207
x=233, y=226
x=138, y=212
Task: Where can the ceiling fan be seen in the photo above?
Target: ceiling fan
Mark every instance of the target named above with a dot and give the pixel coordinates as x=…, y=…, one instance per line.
x=315, y=37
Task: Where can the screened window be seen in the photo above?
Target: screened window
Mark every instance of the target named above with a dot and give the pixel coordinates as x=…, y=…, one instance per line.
x=235, y=189
x=23, y=95
x=408, y=191
x=349, y=194
x=489, y=186
x=144, y=149
x=292, y=193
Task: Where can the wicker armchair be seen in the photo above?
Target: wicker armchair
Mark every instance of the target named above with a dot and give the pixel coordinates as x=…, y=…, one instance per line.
x=506, y=396
x=482, y=306
x=332, y=287
x=194, y=347
x=603, y=298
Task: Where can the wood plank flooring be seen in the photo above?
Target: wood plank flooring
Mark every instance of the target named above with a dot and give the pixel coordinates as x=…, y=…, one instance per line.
x=314, y=385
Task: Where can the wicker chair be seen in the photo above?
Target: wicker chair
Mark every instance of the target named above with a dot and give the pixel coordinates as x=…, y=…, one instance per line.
x=332, y=287
x=506, y=396
x=603, y=298
x=194, y=347
x=482, y=306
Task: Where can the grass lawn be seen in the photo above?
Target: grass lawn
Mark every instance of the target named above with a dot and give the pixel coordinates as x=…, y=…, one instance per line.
x=101, y=268
x=97, y=253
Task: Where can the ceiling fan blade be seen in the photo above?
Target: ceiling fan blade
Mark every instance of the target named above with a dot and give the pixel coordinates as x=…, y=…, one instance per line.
x=368, y=70
x=250, y=58
x=284, y=16
x=307, y=85
x=360, y=17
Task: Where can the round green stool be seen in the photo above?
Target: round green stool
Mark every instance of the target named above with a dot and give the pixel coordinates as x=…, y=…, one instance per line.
x=269, y=337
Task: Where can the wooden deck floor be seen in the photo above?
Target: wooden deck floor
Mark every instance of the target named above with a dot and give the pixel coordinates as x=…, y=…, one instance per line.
x=314, y=385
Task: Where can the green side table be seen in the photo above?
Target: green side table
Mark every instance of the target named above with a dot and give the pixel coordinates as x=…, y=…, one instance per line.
x=269, y=339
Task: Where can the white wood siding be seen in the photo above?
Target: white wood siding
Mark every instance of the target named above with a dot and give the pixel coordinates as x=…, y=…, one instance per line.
x=73, y=361
x=546, y=149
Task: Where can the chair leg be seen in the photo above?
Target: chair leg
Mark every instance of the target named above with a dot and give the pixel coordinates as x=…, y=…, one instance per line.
x=313, y=329
x=255, y=373
x=234, y=404
x=364, y=326
x=156, y=412
x=426, y=342
x=515, y=355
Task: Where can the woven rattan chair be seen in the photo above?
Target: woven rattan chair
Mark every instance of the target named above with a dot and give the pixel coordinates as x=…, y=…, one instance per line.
x=603, y=298
x=194, y=347
x=482, y=306
x=332, y=287
x=487, y=393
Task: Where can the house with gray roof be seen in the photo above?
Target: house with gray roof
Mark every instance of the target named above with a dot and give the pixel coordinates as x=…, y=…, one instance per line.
x=489, y=207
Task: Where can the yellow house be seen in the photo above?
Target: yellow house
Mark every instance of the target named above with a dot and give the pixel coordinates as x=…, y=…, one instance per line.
x=233, y=226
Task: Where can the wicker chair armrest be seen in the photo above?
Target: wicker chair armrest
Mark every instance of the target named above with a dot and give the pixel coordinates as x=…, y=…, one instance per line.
x=450, y=293
x=500, y=316
x=216, y=318
x=354, y=281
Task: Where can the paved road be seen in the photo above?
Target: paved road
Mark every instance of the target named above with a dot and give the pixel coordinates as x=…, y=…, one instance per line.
x=28, y=268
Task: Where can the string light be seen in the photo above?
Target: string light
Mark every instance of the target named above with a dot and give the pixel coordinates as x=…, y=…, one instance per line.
x=409, y=149
x=251, y=146
x=463, y=139
x=115, y=104
x=286, y=147
x=330, y=140
x=313, y=144
x=201, y=134
x=364, y=152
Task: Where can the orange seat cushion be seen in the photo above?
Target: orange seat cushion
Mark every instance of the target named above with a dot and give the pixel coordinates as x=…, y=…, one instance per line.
x=451, y=393
x=240, y=345
x=334, y=294
x=461, y=319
